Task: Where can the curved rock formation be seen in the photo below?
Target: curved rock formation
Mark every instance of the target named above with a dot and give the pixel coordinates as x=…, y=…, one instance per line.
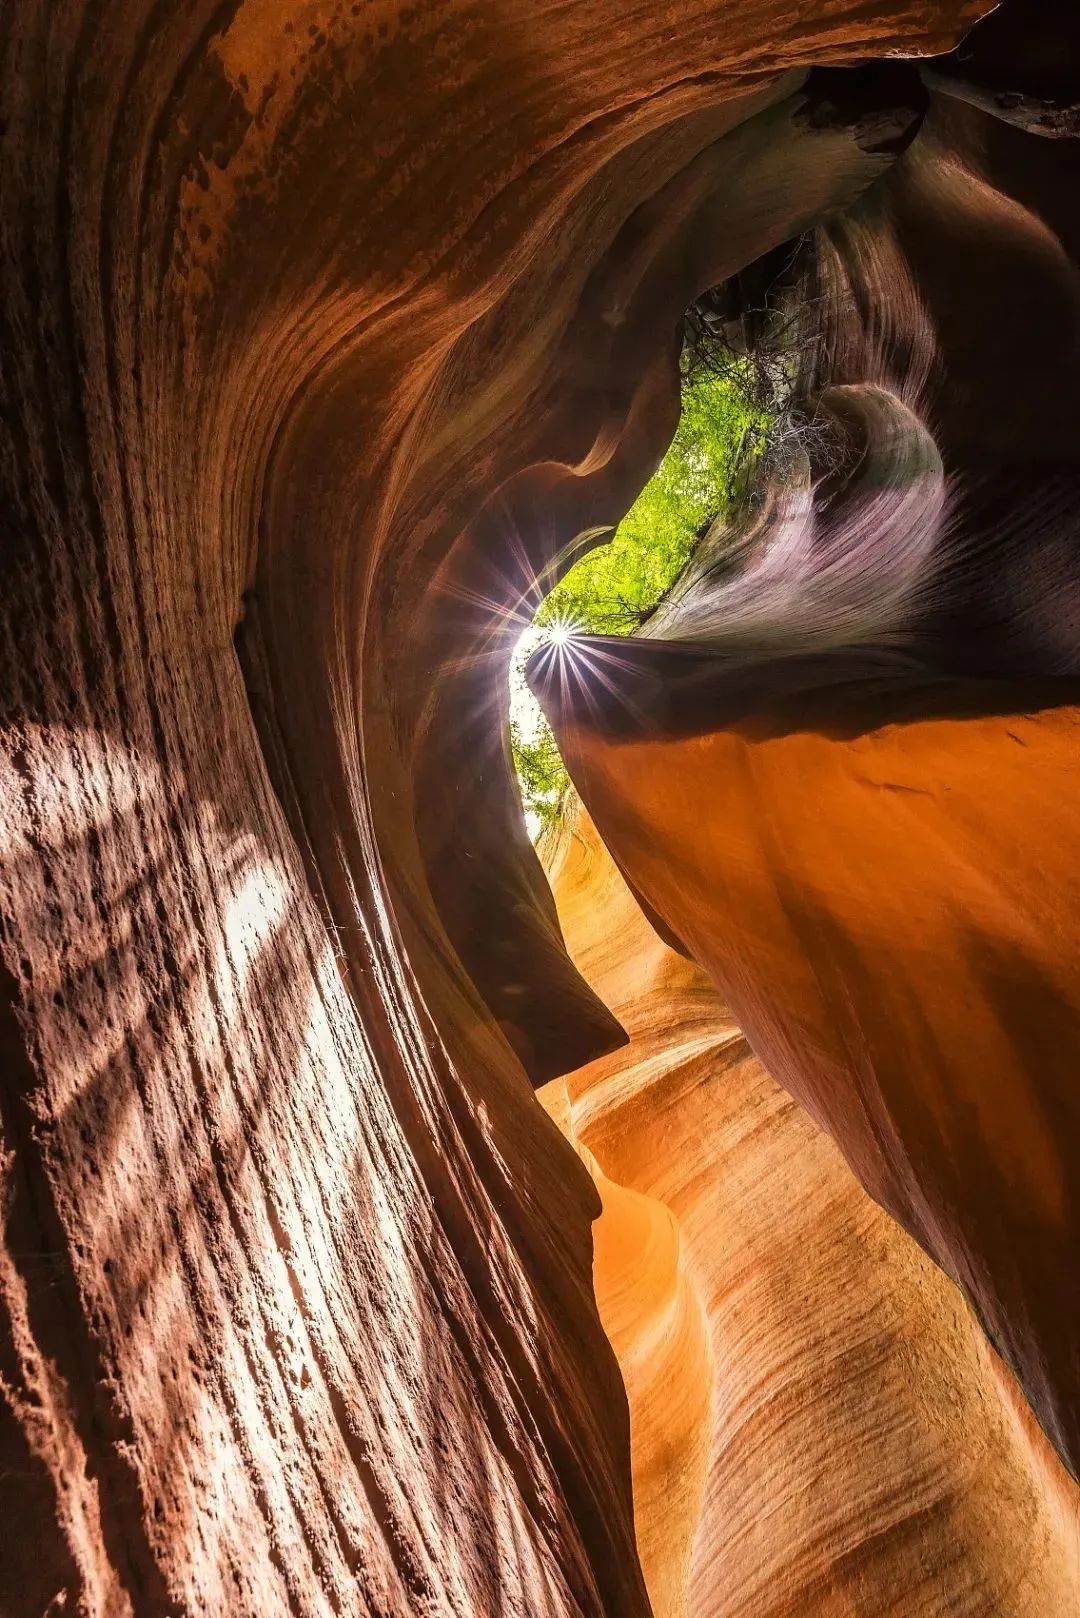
x=842, y=776
x=903, y=957
x=781, y=1339
x=323, y=326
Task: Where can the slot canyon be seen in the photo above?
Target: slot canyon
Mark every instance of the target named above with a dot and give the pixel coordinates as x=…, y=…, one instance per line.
x=675, y=1216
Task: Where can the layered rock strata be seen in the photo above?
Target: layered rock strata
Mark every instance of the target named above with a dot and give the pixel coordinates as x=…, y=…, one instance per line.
x=841, y=772
x=323, y=328
x=780, y=1337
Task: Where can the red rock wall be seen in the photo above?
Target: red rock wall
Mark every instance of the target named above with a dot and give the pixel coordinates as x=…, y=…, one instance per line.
x=296, y=1304
x=903, y=959
x=781, y=1339
x=843, y=774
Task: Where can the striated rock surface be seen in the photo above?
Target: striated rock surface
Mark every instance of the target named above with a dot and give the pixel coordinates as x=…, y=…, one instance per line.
x=903, y=958
x=323, y=327
x=781, y=1339
x=843, y=774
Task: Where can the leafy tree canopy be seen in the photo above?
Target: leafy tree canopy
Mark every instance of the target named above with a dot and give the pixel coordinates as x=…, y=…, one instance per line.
x=541, y=773
x=618, y=584
x=614, y=587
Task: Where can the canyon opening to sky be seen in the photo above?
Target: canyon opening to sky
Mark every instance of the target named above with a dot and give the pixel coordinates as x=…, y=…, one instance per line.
x=539, y=745
x=734, y=408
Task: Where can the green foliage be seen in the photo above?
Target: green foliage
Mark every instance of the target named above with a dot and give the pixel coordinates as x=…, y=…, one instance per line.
x=541, y=772
x=618, y=584
x=614, y=587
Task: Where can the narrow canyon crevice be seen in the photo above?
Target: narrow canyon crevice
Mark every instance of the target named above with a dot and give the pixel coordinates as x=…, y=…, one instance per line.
x=884, y=896
x=325, y=328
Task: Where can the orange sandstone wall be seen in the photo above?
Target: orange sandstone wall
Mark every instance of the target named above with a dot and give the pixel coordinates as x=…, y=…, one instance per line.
x=817, y=1425
x=893, y=916
x=296, y=1314
x=843, y=773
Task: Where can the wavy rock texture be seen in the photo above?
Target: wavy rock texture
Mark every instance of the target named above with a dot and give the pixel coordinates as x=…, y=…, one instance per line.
x=843, y=775
x=313, y=317
x=780, y=1337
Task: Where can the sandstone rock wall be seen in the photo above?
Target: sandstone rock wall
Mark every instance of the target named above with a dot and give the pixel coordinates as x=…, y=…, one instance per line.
x=781, y=1339
x=844, y=776
x=297, y=1315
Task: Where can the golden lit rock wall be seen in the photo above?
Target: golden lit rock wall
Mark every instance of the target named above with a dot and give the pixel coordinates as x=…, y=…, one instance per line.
x=817, y=1425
